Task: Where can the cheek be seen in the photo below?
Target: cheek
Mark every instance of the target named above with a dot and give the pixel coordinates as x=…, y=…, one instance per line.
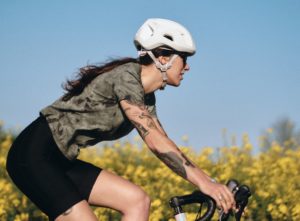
x=178, y=67
x=174, y=72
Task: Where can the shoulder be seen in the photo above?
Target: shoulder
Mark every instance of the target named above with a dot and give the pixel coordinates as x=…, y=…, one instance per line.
x=127, y=74
x=129, y=69
x=127, y=82
x=120, y=74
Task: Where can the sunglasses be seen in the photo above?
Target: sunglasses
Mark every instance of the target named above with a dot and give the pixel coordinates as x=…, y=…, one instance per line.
x=183, y=57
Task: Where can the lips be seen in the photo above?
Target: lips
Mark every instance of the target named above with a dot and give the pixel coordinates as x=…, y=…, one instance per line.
x=181, y=76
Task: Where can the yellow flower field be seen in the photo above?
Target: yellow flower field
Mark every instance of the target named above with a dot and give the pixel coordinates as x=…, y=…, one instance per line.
x=273, y=176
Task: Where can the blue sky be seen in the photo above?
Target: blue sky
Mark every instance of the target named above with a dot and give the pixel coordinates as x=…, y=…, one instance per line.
x=244, y=77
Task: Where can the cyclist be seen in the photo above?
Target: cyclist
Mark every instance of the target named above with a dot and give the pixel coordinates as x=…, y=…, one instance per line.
x=105, y=103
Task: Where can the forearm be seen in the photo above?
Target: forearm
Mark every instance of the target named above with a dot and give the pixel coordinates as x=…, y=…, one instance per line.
x=174, y=158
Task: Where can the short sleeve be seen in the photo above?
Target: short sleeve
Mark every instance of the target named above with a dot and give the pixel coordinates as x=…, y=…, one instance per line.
x=150, y=104
x=128, y=86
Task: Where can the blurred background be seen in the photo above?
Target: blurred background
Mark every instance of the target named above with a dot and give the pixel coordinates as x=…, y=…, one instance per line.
x=236, y=113
x=244, y=78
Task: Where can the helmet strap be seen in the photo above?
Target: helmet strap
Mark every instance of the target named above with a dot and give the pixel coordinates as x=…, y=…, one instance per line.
x=162, y=67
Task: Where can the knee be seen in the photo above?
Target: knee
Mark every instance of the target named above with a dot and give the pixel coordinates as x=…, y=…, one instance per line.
x=140, y=202
x=145, y=201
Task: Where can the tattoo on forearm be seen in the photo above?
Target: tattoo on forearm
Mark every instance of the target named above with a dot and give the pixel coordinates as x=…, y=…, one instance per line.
x=187, y=161
x=173, y=161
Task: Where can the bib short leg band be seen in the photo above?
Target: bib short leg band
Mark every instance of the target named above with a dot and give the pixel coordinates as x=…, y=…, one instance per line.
x=40, y=170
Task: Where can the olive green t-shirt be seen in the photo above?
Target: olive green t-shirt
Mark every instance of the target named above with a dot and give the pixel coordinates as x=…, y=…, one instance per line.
x=95, y=115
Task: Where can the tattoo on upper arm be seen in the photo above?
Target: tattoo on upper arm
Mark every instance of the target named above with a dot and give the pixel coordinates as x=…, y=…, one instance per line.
x=142, y=130
x=159, y=123
x=162, y=129
x=142, y=114
x=149, y=119
x=140, y=105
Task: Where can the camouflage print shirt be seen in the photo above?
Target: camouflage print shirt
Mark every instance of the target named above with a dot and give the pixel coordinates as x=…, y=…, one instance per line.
x=95, y=115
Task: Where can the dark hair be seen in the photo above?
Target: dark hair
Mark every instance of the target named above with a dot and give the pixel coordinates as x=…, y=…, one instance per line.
x=88, y=73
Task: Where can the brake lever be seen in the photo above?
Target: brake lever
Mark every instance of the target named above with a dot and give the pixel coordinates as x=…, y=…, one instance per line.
x=241, y=196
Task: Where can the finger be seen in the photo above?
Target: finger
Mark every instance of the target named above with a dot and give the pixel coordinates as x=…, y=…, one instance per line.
x=245, y=211
x=229, y=197
x=223, y=203
x=217, y=200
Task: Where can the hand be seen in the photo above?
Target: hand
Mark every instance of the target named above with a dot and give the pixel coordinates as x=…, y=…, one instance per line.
x=220, y=193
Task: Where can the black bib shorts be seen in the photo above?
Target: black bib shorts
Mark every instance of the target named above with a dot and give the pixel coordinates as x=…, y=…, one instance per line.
x=40, y=170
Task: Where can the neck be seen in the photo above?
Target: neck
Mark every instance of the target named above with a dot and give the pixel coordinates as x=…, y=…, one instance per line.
x=151, y=78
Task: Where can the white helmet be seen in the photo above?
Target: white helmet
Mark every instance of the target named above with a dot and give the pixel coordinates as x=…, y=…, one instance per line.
x=157, y=32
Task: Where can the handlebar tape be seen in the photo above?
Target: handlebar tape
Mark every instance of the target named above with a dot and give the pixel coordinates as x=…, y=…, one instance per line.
x=196, y=197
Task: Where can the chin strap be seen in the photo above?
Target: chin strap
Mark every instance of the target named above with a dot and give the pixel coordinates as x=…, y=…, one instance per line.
x=162, y=67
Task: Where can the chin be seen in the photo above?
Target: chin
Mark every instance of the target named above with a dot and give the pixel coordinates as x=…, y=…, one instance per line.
x=175, y=85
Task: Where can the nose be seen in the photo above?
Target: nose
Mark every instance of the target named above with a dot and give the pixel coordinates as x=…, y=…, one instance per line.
x=186, y=67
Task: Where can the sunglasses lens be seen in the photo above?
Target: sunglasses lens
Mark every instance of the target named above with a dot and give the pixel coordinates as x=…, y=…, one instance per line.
x=184, y=58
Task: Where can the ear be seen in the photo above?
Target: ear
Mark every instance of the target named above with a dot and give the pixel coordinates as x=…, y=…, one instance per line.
x=163, y=59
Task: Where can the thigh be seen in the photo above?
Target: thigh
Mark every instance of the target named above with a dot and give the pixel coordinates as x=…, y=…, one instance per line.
x=83, y=175
x=38, y=169
x=78, y=212
x=47, y=187
x=114, y=192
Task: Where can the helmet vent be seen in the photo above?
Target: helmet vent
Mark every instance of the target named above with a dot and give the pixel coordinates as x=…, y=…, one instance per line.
x=168, y=37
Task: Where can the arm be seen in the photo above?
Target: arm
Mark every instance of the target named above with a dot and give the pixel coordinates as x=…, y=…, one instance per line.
x=166, y=150
x=158, y=142
x=159, y=126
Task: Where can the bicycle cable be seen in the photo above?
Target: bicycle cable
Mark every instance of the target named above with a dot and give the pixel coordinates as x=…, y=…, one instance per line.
x=199, y=212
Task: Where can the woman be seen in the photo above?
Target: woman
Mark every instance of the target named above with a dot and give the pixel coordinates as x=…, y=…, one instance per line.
x=105, y=103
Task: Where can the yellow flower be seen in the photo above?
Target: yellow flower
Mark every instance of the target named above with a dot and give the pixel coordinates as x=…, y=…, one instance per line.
x=273, y=174
x=22, y=217
x=7, y=142
x=283, y=209
x=296, y=209
x=2, y=210
x=207, y=151
x=270, y=207
x=156, y=203
x=16, y=202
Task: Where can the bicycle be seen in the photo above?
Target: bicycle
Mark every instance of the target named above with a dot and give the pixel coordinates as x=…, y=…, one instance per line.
x=241, y=196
